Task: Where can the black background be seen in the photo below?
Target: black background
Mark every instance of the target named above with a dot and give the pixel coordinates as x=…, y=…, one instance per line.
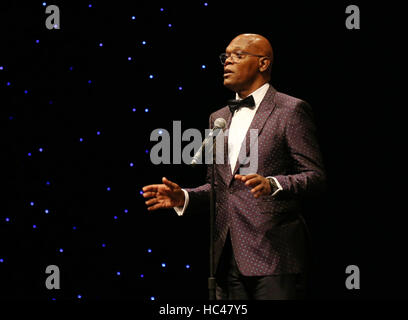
x=350, y=78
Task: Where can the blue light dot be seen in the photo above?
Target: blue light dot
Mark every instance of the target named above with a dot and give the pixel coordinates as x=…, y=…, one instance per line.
x=31, y=203
x=98, y=133
x=74, y=228
x=205, y=4
x=161, y=9
x=101, y=44
x=180, y=88
x=80, y=139
x=1, y=260
x=25, y=91
x=118, y=273
x=131, y=164
x=169, y=25
x=115, y=217
x=1, y=67
x=163, y=265
x=7, y=219
x=50, y=102
x=53, y=299
x=147, y=151
x=203, y=66
x=151, y=76
x=133, y=17
x=34, y=226
x=152, y=298
x=129, y=58
x=48, y=183
x=40, y=149
x=146, y=110
x=89, y=81
x=103, y=245
x=126, y=211
x=149, y=250
x=11, y=118
x=61, y=250
x=8, y=83
x=141, y=192
x=134, y=109
x=142, y=276
x=187, y=266
x=90, y=5
x=71, y=68
x=143, y=42
x=37, y=41
x=55, y=26
x=79, y=296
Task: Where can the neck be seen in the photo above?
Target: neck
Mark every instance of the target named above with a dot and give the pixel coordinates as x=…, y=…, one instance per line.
x=243, y=93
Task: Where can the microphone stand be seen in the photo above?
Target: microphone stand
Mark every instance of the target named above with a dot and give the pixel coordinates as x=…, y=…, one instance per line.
x=211, y=278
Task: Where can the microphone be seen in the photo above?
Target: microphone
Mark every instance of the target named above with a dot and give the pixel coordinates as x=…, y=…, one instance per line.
x=219, y=123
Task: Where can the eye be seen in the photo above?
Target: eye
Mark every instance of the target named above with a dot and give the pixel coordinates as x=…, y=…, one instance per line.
x=239, y=55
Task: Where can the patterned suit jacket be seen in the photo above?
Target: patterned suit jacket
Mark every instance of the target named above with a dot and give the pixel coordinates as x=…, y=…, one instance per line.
x=268, y=234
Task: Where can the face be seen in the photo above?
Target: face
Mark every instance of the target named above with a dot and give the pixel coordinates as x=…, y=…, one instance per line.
x=242, y=74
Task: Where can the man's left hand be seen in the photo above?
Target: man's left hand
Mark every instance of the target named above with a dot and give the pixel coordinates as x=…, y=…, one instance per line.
x=259, y=185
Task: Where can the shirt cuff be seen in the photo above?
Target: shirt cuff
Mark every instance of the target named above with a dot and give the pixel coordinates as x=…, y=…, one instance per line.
x=278, y=184
x=180, y=210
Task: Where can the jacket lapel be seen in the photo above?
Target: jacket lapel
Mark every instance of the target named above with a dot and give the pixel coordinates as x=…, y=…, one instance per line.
x=264, y=110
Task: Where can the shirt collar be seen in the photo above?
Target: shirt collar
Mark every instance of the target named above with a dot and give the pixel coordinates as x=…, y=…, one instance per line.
x=258, y=94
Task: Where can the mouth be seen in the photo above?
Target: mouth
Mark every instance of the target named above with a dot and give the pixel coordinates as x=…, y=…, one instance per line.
x=227, y=72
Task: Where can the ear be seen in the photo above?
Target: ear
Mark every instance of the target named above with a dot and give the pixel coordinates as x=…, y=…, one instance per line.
x=264, y=64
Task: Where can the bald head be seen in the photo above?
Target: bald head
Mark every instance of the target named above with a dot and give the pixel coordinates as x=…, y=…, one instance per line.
x=253, y=68
x=256, y=43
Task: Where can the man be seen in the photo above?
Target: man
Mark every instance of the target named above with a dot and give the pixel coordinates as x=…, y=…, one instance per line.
x=260, y=237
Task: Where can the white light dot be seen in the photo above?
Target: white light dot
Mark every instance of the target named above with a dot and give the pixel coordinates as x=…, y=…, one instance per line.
x=31, y=203
x=143, y=42
x=40, y=149
x=152, y=298
x=118, y=273
x=129, y=58
x=169, y=25
x=146, y=110
x=131, y=164
x=79, y=296
x=160, y=131
x=46, y=211
x=203, y=66
x=133, y=17
x=205, y=4
x=151, y=76
x=1, y=67
x=44, y=4
x=187, y=266
x=163, y=265
x=61, y=250
x=149, y=250
x=134, y=109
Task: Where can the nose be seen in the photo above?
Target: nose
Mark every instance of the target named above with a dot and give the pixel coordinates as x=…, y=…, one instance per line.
x=228, y=61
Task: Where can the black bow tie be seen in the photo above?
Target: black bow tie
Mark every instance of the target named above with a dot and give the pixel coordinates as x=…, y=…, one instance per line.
x=248, y=102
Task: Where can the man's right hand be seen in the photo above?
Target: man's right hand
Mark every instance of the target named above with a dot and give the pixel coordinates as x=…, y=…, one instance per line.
x=163, y=196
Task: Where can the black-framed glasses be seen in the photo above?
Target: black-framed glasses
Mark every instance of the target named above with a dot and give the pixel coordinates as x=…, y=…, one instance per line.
x=236, y=57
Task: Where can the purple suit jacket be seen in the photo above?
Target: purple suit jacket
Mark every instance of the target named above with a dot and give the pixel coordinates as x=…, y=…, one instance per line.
x=268, y=234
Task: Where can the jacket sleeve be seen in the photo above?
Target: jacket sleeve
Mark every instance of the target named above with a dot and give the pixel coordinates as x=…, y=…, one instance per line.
x=307, y=176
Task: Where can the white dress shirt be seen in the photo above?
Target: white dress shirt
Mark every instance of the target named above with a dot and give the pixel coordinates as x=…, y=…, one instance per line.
x=240, y=122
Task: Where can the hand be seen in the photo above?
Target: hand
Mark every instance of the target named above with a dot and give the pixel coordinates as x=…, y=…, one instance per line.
x=164, y=196
x=260, y=185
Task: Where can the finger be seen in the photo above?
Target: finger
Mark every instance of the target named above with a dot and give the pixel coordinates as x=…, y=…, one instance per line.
x=155, y=207
x=151, y=201
x=238, y=177
x=148, y=194
x=150, y=187
x=253, y=182
x=257, y=189
x=249, y=176
x=169, y=183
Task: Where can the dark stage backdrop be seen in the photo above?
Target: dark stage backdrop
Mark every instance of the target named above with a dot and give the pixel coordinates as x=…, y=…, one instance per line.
x=78, y=105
